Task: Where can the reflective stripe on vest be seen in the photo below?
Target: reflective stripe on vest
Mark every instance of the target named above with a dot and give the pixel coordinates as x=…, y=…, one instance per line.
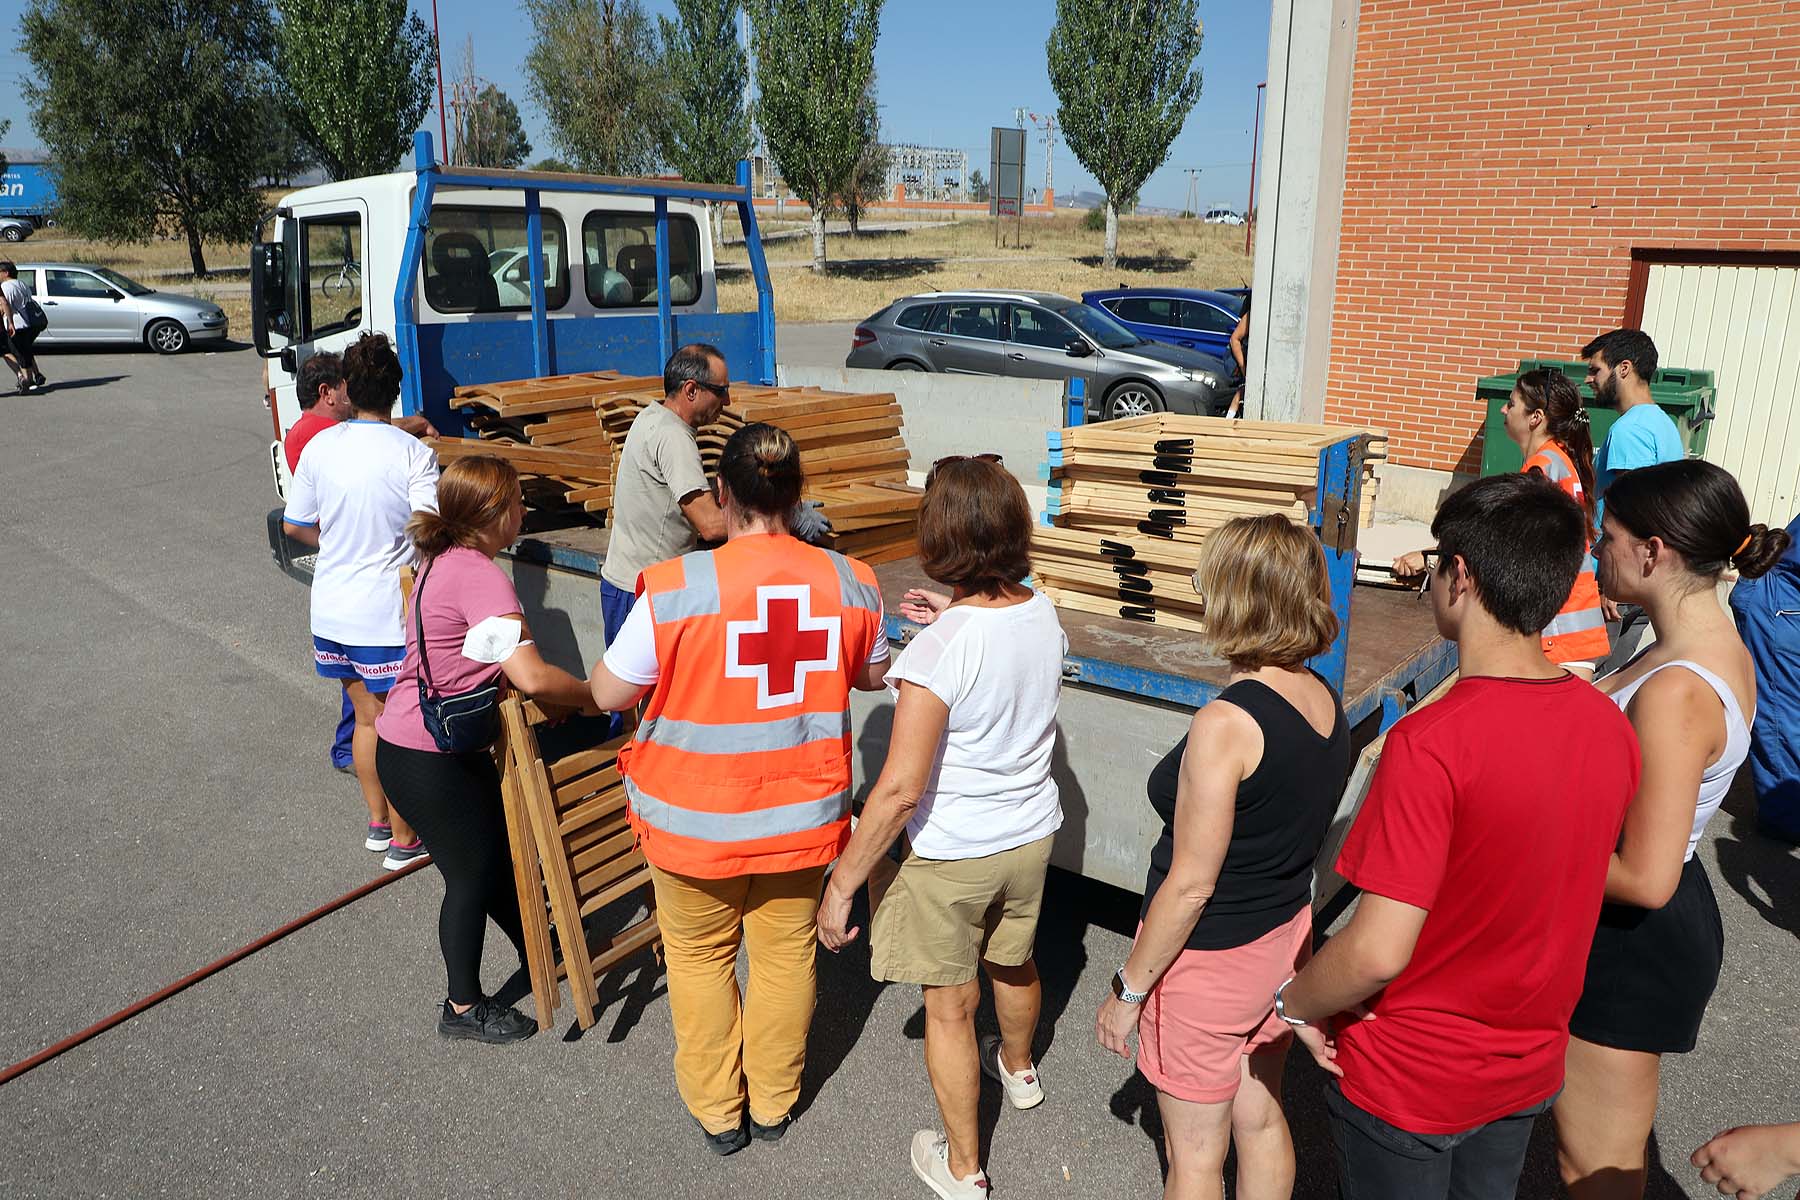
x=736, y=826
x=698, y=737
x=698, y=596
x=1575, y=622
x=853, y=591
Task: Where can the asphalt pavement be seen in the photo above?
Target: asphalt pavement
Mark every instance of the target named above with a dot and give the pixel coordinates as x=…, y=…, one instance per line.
x=172, y=800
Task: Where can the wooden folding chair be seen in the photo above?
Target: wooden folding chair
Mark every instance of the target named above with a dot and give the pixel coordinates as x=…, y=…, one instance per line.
x=540, y=955
x=587, y=856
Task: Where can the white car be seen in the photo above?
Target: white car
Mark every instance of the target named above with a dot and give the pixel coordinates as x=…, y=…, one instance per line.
x=1223, y=216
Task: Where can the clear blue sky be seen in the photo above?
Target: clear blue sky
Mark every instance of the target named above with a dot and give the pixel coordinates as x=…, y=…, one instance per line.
x=947, y=71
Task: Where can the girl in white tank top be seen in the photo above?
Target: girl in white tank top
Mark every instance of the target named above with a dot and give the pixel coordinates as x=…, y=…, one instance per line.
x=1669, y=535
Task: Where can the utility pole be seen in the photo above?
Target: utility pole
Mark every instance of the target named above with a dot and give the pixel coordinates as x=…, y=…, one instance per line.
x=1192, y=205
x=1255, y=133
x=1049, y=127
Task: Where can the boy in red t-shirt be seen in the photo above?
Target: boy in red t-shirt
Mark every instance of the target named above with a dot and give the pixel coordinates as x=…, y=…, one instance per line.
x=1481, y=853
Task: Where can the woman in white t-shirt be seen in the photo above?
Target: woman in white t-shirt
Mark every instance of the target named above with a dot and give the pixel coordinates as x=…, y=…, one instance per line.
x=356, y=486
x=968, y=777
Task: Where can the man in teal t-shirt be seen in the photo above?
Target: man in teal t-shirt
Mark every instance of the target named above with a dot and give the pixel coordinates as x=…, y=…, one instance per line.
x=1620, y=367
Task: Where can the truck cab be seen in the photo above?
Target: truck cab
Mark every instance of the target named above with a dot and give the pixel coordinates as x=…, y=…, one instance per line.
x=441, y=259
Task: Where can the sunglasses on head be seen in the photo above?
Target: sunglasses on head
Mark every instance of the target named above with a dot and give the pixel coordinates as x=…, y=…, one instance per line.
x=931, y=475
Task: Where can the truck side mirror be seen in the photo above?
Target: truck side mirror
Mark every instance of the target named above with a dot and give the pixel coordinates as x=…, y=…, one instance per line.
x=268, y=294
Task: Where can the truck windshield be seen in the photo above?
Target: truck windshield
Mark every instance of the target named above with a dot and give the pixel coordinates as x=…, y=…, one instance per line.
x=130, y=287
x=1103, y=329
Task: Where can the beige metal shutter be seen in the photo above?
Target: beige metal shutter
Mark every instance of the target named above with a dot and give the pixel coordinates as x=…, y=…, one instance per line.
x=1744, y=324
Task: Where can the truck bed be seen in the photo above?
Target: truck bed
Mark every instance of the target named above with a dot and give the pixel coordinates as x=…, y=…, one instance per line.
x=1393, y=642
x=1133, y=689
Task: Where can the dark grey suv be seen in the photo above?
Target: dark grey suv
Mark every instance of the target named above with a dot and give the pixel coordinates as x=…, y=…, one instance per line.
x=1040, y=335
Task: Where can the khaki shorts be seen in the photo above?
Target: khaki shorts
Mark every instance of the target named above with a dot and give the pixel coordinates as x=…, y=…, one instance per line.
x=941, y=918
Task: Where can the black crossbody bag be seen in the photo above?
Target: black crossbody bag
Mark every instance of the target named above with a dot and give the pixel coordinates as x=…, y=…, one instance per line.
x=458, y=724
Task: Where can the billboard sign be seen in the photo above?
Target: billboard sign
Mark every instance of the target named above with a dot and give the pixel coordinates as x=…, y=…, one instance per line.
x=1007, y=171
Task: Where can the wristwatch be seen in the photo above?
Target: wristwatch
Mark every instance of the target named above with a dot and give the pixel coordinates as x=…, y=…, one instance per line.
x=1123, y=991
x=1281, y=1008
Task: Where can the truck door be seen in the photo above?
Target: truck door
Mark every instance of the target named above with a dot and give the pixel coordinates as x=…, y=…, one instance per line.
x=326, y=305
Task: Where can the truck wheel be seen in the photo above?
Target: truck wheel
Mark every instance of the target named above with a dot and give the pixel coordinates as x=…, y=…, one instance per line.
x=167, y=337
x=1133, y=399
x=13, y=234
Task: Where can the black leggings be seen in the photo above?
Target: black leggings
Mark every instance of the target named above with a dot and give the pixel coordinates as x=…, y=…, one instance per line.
x=453, y=801
x=22, y=341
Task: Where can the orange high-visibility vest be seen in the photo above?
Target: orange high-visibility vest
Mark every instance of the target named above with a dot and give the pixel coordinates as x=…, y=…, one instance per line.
x=1578, y=631
x=742, y=762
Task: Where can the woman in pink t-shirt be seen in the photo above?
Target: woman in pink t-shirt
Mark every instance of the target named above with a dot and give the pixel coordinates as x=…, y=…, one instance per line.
x=474, y=634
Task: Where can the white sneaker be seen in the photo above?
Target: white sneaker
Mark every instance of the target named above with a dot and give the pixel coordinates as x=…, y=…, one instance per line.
x=931, y=1163
x=1023, y=1089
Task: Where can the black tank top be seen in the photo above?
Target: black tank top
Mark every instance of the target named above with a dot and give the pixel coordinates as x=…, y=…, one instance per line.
x=1284, y=808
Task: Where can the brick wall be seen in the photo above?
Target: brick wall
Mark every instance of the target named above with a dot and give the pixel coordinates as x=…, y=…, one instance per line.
x=1504, y=158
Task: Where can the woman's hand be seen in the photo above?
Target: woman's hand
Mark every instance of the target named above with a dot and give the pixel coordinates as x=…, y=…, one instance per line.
x=1115, y=1024
x=922, y=607
x=1410, y=565
x=834, y=919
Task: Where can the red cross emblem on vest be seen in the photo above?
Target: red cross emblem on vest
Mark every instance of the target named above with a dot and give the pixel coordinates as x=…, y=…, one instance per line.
x=782, y=645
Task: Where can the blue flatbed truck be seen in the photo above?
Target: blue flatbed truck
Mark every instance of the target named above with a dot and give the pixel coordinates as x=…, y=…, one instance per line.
x=1131, y=687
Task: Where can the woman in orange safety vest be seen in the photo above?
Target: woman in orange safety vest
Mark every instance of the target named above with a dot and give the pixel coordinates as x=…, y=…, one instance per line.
x=738, y=779
x=1545, y=418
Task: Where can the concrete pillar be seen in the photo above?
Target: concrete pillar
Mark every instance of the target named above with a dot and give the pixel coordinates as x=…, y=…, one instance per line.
x=1300, y=189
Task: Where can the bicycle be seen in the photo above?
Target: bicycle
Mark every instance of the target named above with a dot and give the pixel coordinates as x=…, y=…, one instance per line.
x=347, y=280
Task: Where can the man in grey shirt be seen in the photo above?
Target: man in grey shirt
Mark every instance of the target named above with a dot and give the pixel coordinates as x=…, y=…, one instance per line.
x=662, y=504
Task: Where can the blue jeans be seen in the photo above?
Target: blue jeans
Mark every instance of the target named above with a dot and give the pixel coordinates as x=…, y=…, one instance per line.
x=615, y=606
x=340, y=745
x=1379, y=1161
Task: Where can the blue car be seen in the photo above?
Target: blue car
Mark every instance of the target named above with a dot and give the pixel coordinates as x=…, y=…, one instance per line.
x=1201, y=320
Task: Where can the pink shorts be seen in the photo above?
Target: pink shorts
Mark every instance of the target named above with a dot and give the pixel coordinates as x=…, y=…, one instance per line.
x=1213, y=1007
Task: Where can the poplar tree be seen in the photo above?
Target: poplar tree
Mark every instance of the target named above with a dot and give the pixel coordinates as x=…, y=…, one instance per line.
x=359, y=77
x=1125, y=82
x=814, y=63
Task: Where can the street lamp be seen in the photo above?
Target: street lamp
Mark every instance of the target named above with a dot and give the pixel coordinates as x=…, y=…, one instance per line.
x=1255, y=130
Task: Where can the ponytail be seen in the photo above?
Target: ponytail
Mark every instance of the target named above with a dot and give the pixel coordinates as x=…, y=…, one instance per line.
x=760, y=466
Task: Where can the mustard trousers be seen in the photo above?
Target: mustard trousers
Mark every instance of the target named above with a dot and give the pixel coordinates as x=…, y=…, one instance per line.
x=732, y=1052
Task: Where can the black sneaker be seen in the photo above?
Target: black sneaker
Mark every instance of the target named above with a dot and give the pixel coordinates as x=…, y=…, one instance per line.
x=487, y=1021
x=770, y=1133
x=727, y=1143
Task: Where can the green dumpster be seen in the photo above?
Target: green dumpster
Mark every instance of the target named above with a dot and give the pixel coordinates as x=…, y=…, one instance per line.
x=1685, y=394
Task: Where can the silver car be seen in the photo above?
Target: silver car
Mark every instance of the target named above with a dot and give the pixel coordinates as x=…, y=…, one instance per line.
x=86, y=303
x=16, y=229
x=1041, y=335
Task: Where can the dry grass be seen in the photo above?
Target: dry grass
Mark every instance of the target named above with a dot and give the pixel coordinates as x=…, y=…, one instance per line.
x=1057, y=256
x=869, y=271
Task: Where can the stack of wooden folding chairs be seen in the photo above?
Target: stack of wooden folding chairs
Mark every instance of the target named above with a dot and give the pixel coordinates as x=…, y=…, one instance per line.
x=573, y=854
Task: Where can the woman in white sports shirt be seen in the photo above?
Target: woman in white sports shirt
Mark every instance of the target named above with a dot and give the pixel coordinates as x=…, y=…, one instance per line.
x=357, y=485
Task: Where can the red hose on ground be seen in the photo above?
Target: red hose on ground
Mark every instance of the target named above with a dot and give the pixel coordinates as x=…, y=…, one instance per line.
x=187, y=981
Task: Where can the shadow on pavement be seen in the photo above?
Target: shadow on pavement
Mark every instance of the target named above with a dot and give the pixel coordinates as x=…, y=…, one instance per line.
x=75, y=385
x=1756, y=866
